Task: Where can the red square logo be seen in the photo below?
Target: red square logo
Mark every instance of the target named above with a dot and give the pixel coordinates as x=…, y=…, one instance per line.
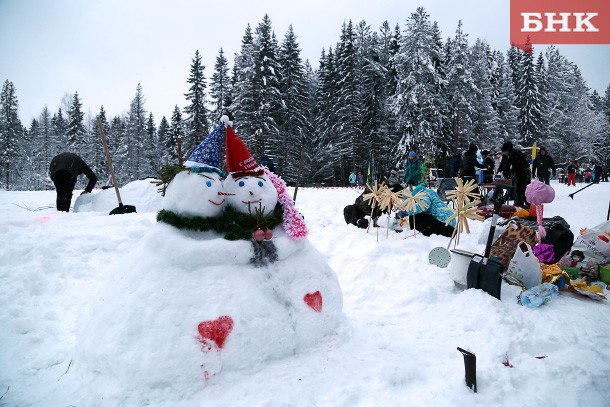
x=559, y=22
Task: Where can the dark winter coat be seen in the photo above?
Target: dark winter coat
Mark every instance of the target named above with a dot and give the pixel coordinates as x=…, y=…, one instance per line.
x=572, y=169
x=515, y=164
x=74, y=165
x=455, y=163
x=542, y=165
x=470, y=163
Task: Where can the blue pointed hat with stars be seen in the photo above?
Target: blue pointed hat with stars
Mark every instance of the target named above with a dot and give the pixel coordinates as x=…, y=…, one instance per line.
x=206, y=157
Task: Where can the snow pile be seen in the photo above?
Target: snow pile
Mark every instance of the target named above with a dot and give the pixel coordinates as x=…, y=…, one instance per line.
x=142, y=194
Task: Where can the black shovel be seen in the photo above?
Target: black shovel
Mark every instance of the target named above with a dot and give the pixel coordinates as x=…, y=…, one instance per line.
x=484, y=273
x=121, y=209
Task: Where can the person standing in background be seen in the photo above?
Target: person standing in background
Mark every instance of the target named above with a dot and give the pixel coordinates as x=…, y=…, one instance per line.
x=412, y=171
x=571, y=170
x=64, y=170
x=515, y=165
x=543, y=165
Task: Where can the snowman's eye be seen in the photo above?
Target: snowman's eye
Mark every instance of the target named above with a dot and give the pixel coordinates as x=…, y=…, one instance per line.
x=241, y=183
x=208, y=183
x=260, y=184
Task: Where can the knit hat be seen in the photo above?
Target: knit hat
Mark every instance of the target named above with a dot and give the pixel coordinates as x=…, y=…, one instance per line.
x=207, y=153
x=412, y=154
x=239, y=158
x=507, y=146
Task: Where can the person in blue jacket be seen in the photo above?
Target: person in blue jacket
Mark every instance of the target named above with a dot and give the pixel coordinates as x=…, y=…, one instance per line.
x=412, y=172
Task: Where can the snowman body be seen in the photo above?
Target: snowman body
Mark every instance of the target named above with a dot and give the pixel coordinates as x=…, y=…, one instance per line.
x=185, y=306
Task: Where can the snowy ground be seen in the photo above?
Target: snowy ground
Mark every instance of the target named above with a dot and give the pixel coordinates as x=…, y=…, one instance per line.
x=405, y=318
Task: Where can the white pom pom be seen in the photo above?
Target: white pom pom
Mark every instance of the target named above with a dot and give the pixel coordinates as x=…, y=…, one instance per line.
x=224, y=119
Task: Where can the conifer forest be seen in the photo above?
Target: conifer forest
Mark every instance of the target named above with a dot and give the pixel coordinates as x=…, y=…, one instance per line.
x=373, y=97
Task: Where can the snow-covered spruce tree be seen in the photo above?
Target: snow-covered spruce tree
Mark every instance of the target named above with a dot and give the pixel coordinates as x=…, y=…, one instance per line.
x=75, y=131
x=606, y=103
x=418, y=102
x=543, y=87
x=11, y=135
x=383, y=133
x=504, y=100
x=529, y=99
x=168, y=154
x=100, y=162
x=292, y=122
x=58, y=127
x=560, y=98
x=326, y=165
x=220, y=88
x=176, y=135
x=268, y=99
x=484, y=124
x=461, y=90
x=47, y=145
x=371, y=85
x=306, y=158
x=246, y=90
x=196, y=121
x=597, y=102
x=118, y=142
x=347, y=129
x=152, y=150
x=137, y=167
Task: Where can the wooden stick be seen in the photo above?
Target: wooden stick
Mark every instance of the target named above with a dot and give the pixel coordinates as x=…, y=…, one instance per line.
x=109, y=160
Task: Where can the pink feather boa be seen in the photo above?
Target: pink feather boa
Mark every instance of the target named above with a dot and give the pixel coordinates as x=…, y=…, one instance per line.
x=293, y=222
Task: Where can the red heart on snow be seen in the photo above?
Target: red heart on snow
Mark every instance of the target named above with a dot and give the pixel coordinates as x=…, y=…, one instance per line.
x=217, y=330
x=314, y=300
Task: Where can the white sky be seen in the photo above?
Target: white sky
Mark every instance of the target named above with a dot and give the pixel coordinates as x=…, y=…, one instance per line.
x=103, y=49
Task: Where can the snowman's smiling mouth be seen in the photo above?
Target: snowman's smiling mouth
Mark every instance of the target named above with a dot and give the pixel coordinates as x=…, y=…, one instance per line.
x=216, y=203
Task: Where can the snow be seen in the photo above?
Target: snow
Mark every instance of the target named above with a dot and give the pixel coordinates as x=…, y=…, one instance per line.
x=396, y=345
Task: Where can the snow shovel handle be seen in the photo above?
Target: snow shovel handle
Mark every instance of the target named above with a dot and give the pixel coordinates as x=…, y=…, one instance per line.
x=116, y=188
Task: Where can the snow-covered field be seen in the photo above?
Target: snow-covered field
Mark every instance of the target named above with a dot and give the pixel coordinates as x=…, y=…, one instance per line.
x=404, y=317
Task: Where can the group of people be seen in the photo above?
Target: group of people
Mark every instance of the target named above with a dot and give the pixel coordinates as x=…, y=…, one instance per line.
x=510, y=163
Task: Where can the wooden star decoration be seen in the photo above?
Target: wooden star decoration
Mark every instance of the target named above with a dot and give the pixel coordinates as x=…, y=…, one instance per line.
x=463, y=193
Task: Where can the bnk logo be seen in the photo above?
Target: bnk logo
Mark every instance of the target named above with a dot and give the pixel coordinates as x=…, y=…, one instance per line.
x=559, y=22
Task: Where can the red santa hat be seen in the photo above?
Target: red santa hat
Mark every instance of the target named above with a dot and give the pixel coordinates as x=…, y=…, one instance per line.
x=239, y=159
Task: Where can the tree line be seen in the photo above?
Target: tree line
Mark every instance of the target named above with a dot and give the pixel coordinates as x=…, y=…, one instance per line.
x=375, y=96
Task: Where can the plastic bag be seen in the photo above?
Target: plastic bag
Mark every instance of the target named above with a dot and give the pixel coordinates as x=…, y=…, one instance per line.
x=524, y=269
x=538, y=295
x=595, y=243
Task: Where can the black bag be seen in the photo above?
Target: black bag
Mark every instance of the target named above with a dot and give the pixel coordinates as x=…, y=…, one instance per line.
x=561, y=238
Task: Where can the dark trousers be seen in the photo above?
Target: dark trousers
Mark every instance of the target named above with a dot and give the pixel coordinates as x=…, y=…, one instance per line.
x=546, y=178
x=64, y=184
x=520, y=183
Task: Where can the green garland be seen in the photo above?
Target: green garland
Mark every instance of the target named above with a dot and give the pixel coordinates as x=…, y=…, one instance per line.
x=232, y=224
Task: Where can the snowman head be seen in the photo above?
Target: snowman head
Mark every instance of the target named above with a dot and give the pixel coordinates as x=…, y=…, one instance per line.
x=250, y=191
x=197, y=192
x=247, y=186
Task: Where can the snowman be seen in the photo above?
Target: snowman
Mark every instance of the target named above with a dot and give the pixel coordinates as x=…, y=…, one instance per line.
x=193, y=300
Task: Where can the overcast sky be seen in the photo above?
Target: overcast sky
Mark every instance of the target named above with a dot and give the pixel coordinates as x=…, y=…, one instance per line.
x=103, y=49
